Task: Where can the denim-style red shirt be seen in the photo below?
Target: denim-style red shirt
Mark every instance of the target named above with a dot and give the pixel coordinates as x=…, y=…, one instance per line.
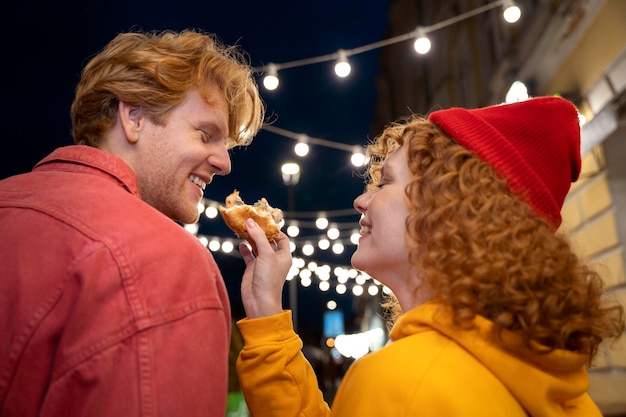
x=107, y=307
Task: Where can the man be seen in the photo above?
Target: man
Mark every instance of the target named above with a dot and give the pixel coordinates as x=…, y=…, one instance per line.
x=108, y=307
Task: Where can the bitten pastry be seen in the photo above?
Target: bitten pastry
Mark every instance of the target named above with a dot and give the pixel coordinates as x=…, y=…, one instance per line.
x=236, y=212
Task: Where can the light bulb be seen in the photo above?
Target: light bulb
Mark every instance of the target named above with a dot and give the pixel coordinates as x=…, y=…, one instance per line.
x=211, y=212
x=321, y=222
x=301, y=148
x=342, y=67
x=308, y=249
x=332, y=233
x=227, y=246
x=271, y=79
x=517, y=92
x=357, y=290
x=511, y=12
x=358, y=157
x=422, y=43
x=293, y=230
x=338, y=248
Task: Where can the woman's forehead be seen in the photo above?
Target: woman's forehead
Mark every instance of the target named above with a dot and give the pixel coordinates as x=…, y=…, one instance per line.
x=395, y=157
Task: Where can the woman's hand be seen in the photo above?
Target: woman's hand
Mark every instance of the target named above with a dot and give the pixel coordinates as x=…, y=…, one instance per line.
x=263, y=280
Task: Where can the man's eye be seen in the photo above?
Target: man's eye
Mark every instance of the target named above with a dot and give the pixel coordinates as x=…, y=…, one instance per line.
x=206, y=136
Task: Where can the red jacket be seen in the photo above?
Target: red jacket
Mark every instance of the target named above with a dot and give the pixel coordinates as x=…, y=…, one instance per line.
x=107, y=307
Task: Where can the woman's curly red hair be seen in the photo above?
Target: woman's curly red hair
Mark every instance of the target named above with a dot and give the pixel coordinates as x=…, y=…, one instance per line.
x=482, y=251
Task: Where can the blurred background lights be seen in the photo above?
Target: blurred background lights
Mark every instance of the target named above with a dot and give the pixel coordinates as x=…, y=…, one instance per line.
x=227, y=246
x=293, y=230
x=211, y=212
x=354, y=237
x=308, y=249
x=192, y=228
x=359, y=344
x=338, y=248
x=333, y=233
x=321, y=223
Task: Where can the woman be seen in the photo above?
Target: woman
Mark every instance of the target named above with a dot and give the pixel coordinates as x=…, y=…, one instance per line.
x=495, y=315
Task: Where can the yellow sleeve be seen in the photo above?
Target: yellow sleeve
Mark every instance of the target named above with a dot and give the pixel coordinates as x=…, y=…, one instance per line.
x=275, y=377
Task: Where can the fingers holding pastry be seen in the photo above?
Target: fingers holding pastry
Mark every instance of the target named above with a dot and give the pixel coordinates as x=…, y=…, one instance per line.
x=265, y=274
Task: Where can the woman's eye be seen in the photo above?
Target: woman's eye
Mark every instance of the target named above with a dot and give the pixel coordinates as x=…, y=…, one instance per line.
x=205, y=136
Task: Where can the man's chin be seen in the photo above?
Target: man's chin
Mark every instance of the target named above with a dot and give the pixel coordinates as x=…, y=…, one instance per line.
x=186, y=217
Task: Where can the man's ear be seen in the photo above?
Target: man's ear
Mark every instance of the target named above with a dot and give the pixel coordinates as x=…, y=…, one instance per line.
x=131, y=120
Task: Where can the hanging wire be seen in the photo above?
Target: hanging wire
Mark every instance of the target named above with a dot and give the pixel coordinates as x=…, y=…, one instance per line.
x=380, y=44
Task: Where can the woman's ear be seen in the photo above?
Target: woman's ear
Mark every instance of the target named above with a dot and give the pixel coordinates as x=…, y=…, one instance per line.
x=131, y=120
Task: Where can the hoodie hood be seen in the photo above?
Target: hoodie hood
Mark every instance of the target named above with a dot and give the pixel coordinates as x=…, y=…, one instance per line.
x=549, y=384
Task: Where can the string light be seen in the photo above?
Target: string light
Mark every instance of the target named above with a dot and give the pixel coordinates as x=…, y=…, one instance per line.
x=422, y=43
x=293, y=230
x=271, y=80
x=342, y=67
x=517, y=92
x=321, y=222
x=511, y=14
x=302, y=147
x=345, y=277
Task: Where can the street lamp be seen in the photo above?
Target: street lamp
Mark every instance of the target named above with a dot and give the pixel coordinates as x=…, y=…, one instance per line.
x=291, y=175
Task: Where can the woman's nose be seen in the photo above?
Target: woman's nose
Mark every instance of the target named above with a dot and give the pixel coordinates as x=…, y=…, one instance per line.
x=360, y=203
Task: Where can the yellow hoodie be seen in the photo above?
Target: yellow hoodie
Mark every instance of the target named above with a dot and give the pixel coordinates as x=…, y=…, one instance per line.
x=432, y=368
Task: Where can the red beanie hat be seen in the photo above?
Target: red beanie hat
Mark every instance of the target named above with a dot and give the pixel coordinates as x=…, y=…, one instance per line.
x=533, y=144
